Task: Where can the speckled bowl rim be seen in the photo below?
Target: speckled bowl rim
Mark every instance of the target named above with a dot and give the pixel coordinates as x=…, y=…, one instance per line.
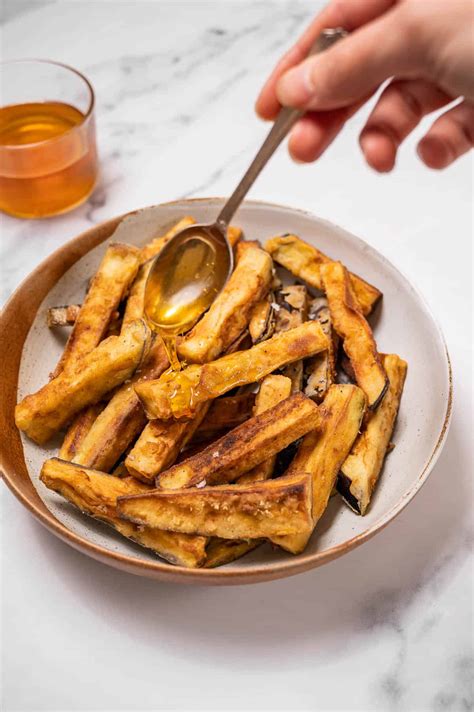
x=159, y=569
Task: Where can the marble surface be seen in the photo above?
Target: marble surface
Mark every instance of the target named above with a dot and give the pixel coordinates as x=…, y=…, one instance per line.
x=387, y=627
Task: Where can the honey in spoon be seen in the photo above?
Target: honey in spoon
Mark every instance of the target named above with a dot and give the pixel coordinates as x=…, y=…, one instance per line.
x=183, y=283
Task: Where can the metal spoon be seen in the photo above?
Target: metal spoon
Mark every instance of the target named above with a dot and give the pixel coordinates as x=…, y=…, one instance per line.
x=192, y=268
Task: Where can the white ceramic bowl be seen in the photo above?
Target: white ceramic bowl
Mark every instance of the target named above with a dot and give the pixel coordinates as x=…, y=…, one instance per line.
x=403, y=325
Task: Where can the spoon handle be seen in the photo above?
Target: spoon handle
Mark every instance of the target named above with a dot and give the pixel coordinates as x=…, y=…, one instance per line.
x=284, y=122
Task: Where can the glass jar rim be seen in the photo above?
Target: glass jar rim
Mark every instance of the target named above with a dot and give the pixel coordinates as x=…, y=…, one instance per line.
x=86, y=115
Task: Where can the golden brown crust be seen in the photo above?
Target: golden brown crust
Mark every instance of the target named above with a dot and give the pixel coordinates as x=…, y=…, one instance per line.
x=178, y=395
x=95, y=493
x=321, y=453
x=224, y=413
x=223, y=551
x=62, y=316
x=43, y=413
x=262, y=323
x=78, y=430
x=159, y=445
x=304, y=262
x=122, y=419
x=113, y=278
x=262, y=509
x=358, y=340
x=273, y=390
x=230, y=313
x=234, y=235
x=134, y=308
x=361, y=469
x=245, y=446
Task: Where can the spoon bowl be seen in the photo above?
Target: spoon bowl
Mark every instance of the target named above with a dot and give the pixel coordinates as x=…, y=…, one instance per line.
x=185, y=278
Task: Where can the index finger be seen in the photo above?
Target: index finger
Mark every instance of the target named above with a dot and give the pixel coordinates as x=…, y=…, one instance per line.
x=348, y=14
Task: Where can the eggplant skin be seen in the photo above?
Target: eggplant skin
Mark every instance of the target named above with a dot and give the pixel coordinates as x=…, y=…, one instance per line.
x=95, y=493
x=352, y=326
x=361, y=469
x=344, y=488
x=320, y=371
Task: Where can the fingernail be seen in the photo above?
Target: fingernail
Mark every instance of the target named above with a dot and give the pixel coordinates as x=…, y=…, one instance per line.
x=295, y=87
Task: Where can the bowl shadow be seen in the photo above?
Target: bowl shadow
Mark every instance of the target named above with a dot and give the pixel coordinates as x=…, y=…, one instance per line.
x=335, y=604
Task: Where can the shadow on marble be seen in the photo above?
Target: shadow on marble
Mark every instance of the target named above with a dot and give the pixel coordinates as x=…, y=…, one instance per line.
x=370, y=587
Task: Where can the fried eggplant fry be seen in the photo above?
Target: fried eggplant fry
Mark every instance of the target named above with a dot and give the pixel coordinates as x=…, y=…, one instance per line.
x=225, y=413
x=292, y=303
x=230, y=313
x=273, y=390
x=261, y=509
x=320, y=371
x=179, y=394
x=361, y=469
x=134, y=308
x=357, y=338
x=112, y=362
x=78, y=429
x=262, y=320
x=62, y=316
x=113, y=278
x=322, y=453
x=247, y=445
x=159, y=445
x=95, y=493
x=304, y=262
x=122, y=419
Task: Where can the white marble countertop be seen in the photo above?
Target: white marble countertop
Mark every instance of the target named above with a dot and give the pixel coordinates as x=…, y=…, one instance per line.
x=387, y=627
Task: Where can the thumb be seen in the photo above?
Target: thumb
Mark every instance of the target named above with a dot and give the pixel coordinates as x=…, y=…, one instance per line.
x=355, y=66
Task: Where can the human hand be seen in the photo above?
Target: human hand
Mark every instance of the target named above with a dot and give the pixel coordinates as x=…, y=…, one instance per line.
x=425, y=47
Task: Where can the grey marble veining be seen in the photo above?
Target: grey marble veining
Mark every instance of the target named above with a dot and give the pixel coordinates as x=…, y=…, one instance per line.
x=11, y=9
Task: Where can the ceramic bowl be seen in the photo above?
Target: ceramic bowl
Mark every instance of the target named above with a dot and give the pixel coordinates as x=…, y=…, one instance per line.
x=403, y=324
